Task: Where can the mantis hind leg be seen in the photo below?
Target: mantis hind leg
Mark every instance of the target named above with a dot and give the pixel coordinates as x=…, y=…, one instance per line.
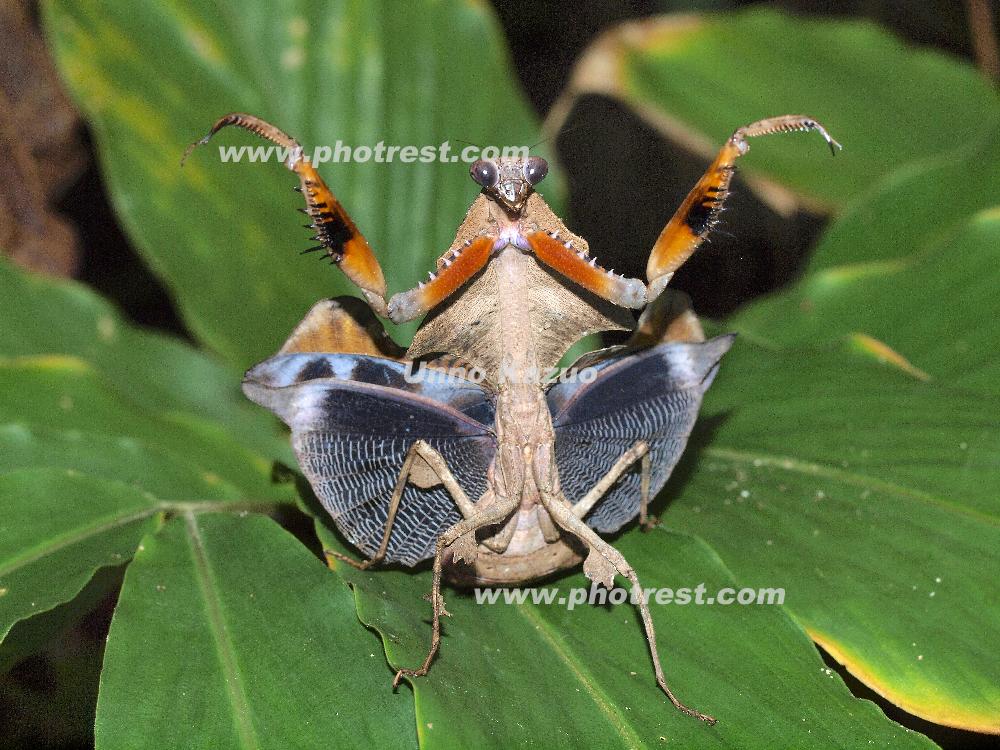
x=462, y=539
x=638, y=452
x=424, y=464
x=604, y=561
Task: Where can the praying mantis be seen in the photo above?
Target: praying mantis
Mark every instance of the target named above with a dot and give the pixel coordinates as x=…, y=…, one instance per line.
x=504, y=477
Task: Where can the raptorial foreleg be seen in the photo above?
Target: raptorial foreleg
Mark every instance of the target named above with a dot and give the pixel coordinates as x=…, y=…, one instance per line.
x=336, y=232
x=344, y=243
x=692, y=222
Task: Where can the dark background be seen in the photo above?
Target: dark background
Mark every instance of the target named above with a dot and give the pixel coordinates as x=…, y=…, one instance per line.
x=616, y=167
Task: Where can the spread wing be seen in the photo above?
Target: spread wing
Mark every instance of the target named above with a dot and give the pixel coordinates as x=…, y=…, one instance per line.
x=353, y=419
x=653, y=395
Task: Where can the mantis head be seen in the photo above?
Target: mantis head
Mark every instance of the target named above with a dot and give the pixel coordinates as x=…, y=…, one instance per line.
x=509, y=181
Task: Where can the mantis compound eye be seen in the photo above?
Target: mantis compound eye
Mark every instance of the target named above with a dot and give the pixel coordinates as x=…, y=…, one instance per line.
x=535, y=168
x=484, y=173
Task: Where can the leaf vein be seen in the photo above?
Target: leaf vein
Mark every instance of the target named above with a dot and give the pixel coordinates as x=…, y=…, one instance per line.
x=599, y=697
x=787, y=463
x=217, y=622
x=80, y=535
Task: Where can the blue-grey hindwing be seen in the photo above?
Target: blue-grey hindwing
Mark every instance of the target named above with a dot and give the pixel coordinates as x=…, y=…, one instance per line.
x=353, y=419
x=653, y=395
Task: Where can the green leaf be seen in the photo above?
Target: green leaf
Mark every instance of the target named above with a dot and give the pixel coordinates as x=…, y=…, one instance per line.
x=48, y=316
x=871, y=497
x=228, y=633
x=124, y=459
x=65, y=394
x=224, y=236
x=33, y=635
x=904, y=266
x=936, y=309
x=517, y=674
x=698, y=78
x=914, y=209
x=272, y=669
x=57, y=412
x=57, y=529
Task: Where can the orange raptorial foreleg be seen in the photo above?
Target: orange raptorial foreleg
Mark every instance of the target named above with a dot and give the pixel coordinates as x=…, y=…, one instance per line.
x=699, y=212
x=335, y=231
x=455, y=268
x=577, y=266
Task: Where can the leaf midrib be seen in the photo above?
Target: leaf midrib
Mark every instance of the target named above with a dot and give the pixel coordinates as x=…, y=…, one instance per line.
x=601, y=700
x=220, y=634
